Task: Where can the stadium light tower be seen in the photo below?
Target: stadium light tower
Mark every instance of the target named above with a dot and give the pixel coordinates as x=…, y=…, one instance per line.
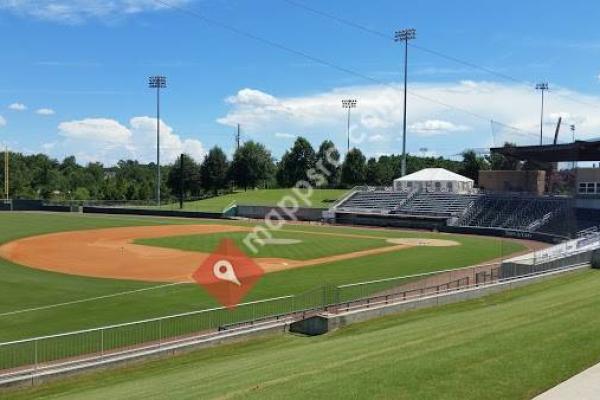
x=349, y=104
x=543, y=86
x=157, y=82
x=404, y=35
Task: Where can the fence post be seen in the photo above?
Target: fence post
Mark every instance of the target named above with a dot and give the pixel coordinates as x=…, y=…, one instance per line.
x=102, y=342
x=35, y=357
x=160, y=332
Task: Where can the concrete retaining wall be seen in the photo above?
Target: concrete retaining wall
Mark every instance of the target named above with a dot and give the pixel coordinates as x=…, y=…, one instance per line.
x=259, y=212
x=388, y=221
x=40, y=377
x=150, y=211
x=321, y=324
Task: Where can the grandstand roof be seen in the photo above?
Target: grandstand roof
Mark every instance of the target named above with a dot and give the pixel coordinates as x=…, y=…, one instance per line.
x=434, y=174
x=577, y=151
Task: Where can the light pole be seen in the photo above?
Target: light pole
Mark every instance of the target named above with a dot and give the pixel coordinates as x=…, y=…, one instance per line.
x=6, y=176
x=404, y=36
x=349, y=104
x=572, y=126
x=543, y=86
x=157, y=82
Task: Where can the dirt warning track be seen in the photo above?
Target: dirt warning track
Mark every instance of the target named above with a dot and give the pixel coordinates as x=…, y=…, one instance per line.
x=111, y=253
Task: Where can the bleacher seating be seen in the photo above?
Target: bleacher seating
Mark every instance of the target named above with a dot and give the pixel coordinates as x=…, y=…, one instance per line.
x=526, y=213
x=572, y=220
x=437, y=204
x=553, y=215
x=373, y=201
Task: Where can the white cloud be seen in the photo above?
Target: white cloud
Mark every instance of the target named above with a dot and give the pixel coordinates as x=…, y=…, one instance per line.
x=99, y=130
x=252, y=98
x=17, y=107
x=436, y=127
x=77, y=11
x=107, y=140
x=284, y=135
x=2, y=121
x=171, y=144
x=45, y=111
x=444, y=130
x=376, y=138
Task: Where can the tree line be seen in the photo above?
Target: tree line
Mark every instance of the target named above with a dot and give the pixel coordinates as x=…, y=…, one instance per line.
x=252, y=166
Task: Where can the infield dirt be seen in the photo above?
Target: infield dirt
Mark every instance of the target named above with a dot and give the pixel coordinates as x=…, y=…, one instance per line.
x=111, y=253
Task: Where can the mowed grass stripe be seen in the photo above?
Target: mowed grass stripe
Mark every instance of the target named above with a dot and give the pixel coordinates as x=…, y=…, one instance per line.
x=512, y=345
x=311, y=244
x=320, y=198
x=23, y=287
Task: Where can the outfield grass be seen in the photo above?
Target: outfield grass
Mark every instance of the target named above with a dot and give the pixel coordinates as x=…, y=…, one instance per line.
x=512, y=345
x=24, y=288
x=263, y=197
x=312, y=244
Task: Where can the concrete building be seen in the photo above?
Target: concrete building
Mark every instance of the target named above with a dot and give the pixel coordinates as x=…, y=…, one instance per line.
x=530, y=181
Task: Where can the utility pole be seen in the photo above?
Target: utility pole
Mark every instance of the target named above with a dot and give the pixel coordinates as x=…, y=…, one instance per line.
x=157, y=82
x=181, y=182
x=543, y=86
x=349, y=104
x=404, y=35
x=6, y=167
x=237, y=137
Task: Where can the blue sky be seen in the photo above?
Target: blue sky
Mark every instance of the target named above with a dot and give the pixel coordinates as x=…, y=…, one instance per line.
x=75, y=71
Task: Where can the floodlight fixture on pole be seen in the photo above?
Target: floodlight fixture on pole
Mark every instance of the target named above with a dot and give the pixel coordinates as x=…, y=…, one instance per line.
x=157, y=82
x=543, y=86
x=349, y=104
x=404, y=35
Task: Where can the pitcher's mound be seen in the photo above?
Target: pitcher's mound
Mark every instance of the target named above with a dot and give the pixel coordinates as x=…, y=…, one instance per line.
x=423, y=242
x=278, y=241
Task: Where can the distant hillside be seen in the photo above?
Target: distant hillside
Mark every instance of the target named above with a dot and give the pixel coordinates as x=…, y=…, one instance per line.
x=267, y=197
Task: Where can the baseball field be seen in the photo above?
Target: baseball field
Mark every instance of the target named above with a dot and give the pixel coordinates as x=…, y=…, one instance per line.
x=64, y=272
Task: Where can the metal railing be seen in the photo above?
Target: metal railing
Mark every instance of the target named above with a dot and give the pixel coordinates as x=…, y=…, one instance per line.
x=37, y=352
x=30, y=355
x=419, y=285
x=69, y=347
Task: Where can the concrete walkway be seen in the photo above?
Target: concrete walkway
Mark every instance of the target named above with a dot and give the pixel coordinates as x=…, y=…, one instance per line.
x=584, y=386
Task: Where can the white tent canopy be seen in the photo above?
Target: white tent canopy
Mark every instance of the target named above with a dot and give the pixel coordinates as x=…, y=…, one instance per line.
x=434, y=180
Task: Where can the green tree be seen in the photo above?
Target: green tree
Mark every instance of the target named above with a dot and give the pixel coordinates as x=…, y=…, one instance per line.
x=252, y=164
x=372, y=174
x=388, y=168
x=191, y=177
x=213, y=171
x=354, y=169
x=500, y=162
x=472, y=164
x=328, y=157
x=80, y=193
x=295, y=163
